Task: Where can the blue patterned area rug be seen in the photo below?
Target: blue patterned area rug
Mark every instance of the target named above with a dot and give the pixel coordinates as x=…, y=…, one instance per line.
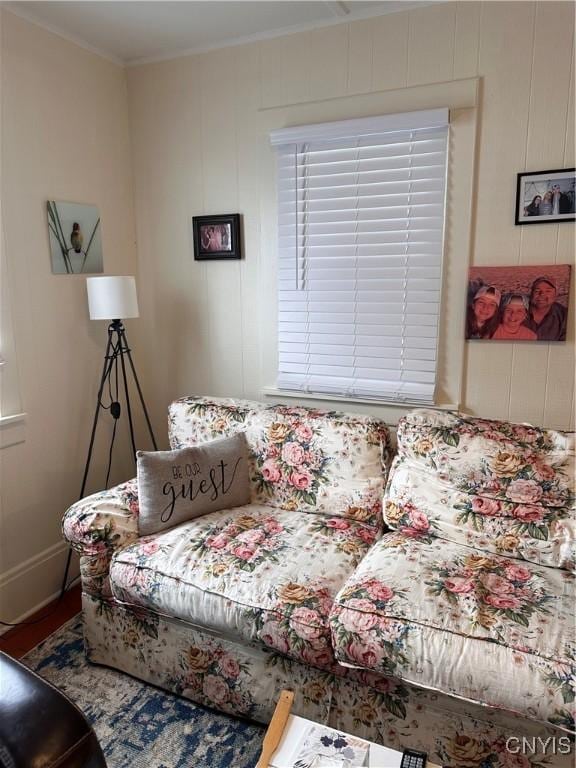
x=140, y=726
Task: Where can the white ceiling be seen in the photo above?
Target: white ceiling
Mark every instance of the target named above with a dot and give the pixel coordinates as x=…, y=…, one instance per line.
x=142, y=30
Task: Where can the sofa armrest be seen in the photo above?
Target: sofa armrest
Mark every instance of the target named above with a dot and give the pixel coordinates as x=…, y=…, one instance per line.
x=103, y=522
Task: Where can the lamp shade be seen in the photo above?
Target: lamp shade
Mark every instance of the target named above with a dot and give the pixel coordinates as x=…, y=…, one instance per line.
x=112, y=298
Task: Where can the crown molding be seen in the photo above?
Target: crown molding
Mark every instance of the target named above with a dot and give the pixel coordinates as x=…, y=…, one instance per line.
x=19, y=9
x=406, y=5
x=342, y=15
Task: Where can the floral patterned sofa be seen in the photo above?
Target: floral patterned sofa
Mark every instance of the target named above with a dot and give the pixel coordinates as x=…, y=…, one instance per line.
x=452, y=631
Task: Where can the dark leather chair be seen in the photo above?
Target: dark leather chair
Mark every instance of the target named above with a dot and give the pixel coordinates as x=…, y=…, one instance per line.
x=39, y=726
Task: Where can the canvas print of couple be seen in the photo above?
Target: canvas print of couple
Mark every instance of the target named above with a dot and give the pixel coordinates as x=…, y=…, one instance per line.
x=518, y=303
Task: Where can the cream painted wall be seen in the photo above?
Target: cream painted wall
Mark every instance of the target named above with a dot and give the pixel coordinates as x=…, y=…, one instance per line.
x=65, y=135
x=199, y=134
x=198, y=127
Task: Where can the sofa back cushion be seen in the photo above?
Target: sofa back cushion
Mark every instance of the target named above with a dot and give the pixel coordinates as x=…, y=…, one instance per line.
x=301, y=458
x=502, y=487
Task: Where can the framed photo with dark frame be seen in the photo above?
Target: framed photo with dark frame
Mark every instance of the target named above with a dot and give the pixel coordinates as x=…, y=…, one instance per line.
x=217, y=237
x=545, y=196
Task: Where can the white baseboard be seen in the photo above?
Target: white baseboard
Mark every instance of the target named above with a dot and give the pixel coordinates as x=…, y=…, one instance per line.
x=29, y=586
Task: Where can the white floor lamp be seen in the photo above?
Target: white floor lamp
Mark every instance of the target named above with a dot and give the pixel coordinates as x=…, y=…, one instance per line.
x=113, y=299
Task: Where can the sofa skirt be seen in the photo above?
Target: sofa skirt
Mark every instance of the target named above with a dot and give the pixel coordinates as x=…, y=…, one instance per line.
x=245, y=680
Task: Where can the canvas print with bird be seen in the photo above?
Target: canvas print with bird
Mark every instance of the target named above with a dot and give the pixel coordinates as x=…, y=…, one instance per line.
x=74, y=231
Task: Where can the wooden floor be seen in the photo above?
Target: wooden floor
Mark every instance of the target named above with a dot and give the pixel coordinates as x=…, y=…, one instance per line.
x=19, y=640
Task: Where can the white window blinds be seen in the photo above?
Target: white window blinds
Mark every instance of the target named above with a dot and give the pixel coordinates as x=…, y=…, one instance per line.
x=361, y=221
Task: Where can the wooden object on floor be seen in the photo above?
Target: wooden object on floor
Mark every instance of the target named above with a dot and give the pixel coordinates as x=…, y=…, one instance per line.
x=276, y=728
x=19, y=640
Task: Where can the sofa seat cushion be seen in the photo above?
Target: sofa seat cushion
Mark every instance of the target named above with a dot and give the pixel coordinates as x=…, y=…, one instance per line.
x=255, y=572
x=490, y=629
x=302, y=459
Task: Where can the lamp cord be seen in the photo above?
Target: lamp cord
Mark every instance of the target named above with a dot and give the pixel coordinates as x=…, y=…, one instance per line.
x=115, y=415
x=34, y=621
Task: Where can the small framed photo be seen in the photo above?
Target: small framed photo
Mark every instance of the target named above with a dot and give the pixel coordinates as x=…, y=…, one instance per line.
x=545, y=196
x=217, y=237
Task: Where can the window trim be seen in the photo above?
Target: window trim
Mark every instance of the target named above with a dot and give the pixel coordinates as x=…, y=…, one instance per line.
x=10, y=390
x=12, y=430
x=464, y=99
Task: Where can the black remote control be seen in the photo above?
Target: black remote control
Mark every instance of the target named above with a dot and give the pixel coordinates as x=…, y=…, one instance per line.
x=412, y=758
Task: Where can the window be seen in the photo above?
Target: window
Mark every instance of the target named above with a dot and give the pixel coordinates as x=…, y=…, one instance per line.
x=10, y=409
x=361, y=224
